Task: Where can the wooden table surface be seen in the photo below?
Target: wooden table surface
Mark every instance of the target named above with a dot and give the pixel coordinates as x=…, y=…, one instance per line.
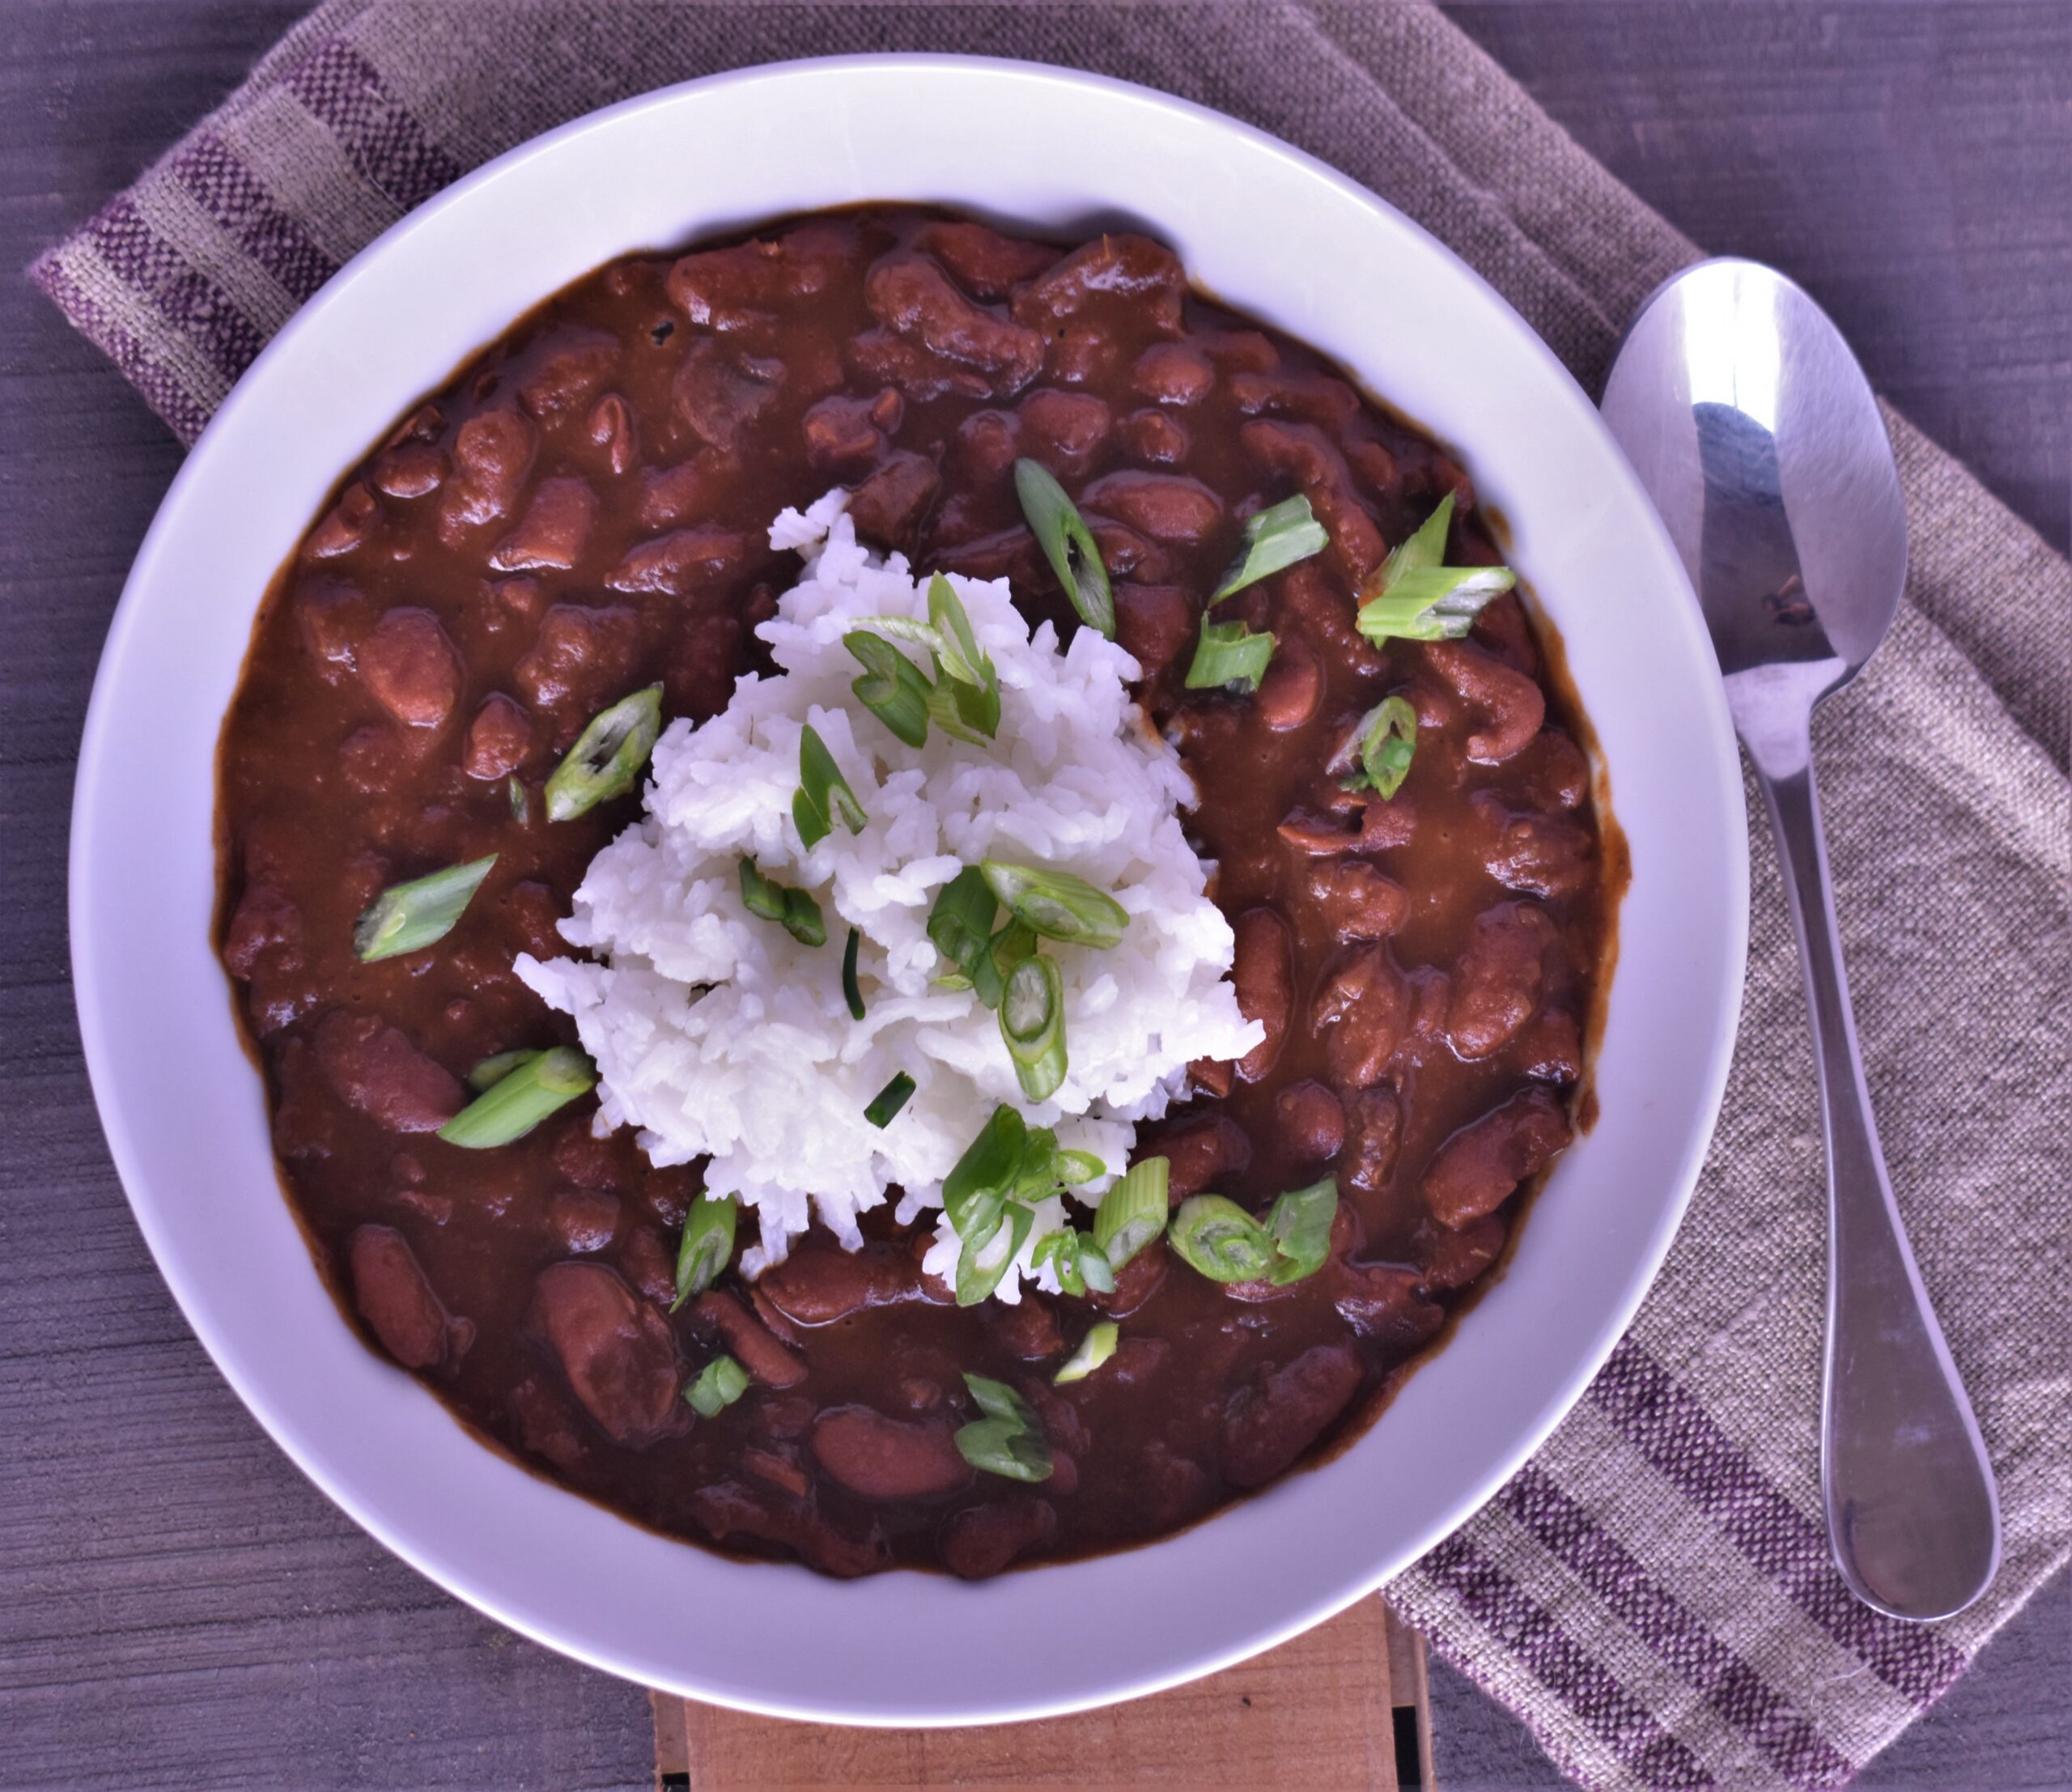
x=178, y=1606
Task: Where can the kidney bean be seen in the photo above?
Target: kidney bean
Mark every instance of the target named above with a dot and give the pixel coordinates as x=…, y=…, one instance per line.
x=986, y=264
x=1319, y=836
x=1136, y=1282
x=1199, y=1152
x=1475, y=1171
x=982, y=1540
x=841, y=437
x=553, y=529
x=1373, y=1130
x=1028, y=1330
x=375, y=1069
x=729, y=289
x=569, y=373
x=716, y=395
x=913, y=298
x=410, y=668
x=1497, y=985
x=345, y=527
x=410, y=469
x=917, y=372
x=492, y=451
x=1312, y=1121
x=582, y=658
x=1551, y=1046
x=1384, y=1302
x=727, y=1509
x=584, y=1159
x=1153, y=437
x=1126, y=553
x=1513, y=706
x=1174, y=373
x=396, y=1299
x=1262, y=974
x=1121, y=267
x=885, y=1458
x=690, y=488
x=1553, y=771
x=1154, y=624
x=1547, y=855
x=498, y=739
x=1356, y=901
x=774, y=1321
x=1384, y=826
x=757, y=1351
x=1453, y=1259
x=583, y=1220
x=265, y=930
x=817, y=1285
x=1315, y=397
x=1302, y=453
x=1066, y=430
x=330, y=620
x=1500, y=630
x=615, y=1349
x=517, y=602
x=1293, y=685
x=1211, y=1076
x=1317, y=599
x=887, y=507
x=1268, y=1426
x=644, y=1261
x=546, y=1423
x=1166, y=507
x=785, y=1472
x=613, y=427
x=1361, y=1011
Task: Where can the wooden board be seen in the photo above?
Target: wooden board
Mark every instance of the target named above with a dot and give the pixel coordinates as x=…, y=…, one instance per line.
x=1345, y=1704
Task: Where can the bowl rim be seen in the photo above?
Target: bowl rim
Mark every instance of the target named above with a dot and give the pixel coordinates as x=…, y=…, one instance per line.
x=100, y=1009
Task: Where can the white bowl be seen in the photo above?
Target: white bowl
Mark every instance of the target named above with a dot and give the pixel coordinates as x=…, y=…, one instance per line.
x=1269, y=232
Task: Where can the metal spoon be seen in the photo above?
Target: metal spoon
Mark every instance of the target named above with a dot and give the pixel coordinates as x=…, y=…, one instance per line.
x=1755, y=433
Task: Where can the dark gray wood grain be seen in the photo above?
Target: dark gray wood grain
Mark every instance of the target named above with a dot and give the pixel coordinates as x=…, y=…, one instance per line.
x=177, y=1605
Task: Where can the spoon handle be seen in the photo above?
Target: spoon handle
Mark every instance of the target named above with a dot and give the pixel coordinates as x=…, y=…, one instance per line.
x=1913, y=1513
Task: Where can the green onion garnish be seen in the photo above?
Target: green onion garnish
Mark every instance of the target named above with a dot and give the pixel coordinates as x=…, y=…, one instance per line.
x=961, y=657
x=1220, y=1239
x=852, y=991
x=823, y=792
x=607, y=758
x=977, y=1189
x=1412, y=597
x=1067, y=544
x=965, y=700
x=1033, y=1024
x=892, y=687
x=520, y=1098
x=796, y=912
x=1385, y=741
x=1056, y=904
x=961, y=928
x=706, y=1247
x=1133, y=1211
x=720, y=1383
x=409, y=917
x=521, y=805
x=1300, y=1226
x=492, y=1071
x=1009, y=1440
x=1071, y=1168
x=1275, y=538
x=1077, y=1262
x=889, y=1100
x=1228, y=654
x=1094, y=1350
x=984, y=1260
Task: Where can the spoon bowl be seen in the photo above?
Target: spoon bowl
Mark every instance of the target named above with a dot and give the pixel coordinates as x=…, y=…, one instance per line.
x=1755, y=433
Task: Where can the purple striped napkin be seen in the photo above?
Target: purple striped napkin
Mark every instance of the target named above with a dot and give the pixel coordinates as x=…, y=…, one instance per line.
x=1653, y=1595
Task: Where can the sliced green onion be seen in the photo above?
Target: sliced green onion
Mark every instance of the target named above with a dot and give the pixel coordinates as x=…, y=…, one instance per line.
x=961, y=928
x=1094, y=1350
x=1412, y=596
x=977, y=1188
x=1036, y=1177
x=1060, y=1251
x=796, y=912
x=492, y=1071
x=892, y=687
x=409, y=917
x=1094, y=1265
x=964, y=712
x=1056, y=904
x=521, y=805
x=1033, y=1024
x=520, y=1098
x=1300, y=1225
x=823, y=792
x=607, y=758
x=1133, y=1211
x=1385, y=740
x=1073, y=1168
x=1067, y=544
x=706, y=1247
x=1220, y=1239
x=852, y=991
x=984, y=1261
x=886, y=1104
x=1009, y=1440
x=1228, y=654
x=1275, y=538
x=958, y=647
x=720, y=1383
x=1013, y=943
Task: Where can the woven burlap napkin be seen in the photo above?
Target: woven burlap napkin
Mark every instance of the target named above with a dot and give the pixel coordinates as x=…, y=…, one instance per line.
x=1653, y=1595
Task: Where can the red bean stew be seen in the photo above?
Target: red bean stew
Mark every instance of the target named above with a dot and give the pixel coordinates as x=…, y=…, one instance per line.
x=579, y=513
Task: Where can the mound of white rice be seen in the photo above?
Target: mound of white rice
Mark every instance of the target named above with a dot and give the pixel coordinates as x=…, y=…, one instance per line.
x=719, y=1035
